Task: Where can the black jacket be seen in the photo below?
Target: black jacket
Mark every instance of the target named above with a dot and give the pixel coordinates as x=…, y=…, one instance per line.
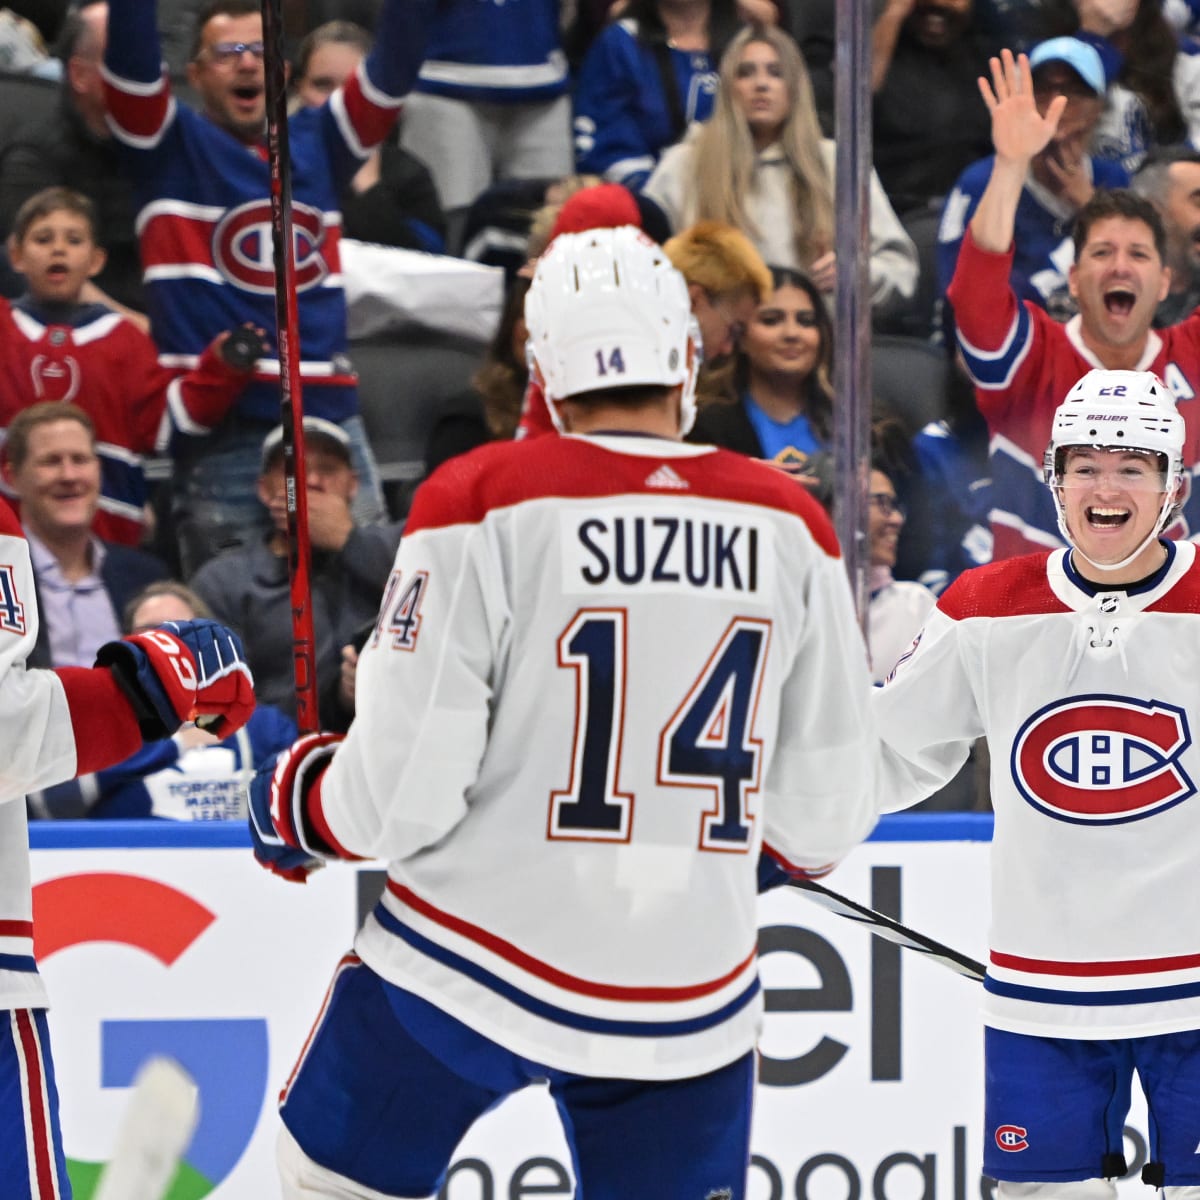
x=727, y=425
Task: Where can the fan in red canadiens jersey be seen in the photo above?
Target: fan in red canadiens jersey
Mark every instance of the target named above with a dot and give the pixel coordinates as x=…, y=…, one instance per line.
x=1079, y=666
x=609, y=669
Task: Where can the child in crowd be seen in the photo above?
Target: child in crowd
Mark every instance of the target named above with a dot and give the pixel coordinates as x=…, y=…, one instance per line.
x=55, y=347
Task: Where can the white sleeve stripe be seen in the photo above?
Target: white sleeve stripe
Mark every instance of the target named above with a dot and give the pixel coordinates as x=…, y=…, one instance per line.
x=178, y=413
x=337, y=105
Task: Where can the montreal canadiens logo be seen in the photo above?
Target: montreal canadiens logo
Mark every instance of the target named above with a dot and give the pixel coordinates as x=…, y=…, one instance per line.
x=1011, y=1138
x=243, y=250
x=1103, y=760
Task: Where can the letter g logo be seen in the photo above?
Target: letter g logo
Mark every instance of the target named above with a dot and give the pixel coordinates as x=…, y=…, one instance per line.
x=227, y=1056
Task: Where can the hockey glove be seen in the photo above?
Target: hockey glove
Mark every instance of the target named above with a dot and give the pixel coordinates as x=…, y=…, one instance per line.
x=284, y=841
x=773, y=872
x=183, y=671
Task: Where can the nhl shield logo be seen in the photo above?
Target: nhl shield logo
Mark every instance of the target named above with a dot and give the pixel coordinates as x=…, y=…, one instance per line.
x=1103, y=760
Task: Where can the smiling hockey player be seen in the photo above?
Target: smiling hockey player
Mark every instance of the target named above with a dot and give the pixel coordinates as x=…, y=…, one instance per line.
x=1023, y=361
x=1080, y=667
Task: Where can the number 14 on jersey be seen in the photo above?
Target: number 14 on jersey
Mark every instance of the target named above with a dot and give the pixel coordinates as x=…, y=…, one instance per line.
x=708, y=743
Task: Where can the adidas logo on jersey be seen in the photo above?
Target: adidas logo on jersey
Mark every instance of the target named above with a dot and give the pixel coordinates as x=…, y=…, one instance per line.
x=665, y=477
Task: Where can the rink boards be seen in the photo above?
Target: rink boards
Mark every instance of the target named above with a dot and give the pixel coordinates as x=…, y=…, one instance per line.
x=157, y=938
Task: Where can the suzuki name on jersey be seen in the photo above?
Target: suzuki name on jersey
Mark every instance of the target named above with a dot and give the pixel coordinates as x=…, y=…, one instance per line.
x=661, y=552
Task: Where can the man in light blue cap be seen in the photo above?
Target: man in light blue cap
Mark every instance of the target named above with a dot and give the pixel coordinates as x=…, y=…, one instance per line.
x=1082, y=58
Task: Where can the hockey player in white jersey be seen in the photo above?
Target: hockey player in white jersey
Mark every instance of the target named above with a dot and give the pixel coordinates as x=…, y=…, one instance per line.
x=55, y=725
x=608, y=669
x=1080, y=667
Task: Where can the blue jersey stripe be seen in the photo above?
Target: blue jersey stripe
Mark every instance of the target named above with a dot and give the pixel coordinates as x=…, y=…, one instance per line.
x=18, y=962
x=551, y=1012
x=1151, y=995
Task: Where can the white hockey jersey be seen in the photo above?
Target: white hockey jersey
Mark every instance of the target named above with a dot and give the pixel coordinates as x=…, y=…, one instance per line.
x=52, y=724
x=1087, y=697
x=605, y=671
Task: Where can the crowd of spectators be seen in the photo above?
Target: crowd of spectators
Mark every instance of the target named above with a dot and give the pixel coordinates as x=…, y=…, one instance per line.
x=1029, y=218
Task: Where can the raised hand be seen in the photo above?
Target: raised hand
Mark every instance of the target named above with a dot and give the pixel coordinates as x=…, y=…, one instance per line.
x=1019, y=130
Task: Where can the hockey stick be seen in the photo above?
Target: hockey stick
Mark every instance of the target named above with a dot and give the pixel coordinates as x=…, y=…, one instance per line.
x=154, y=1133
x=889, y=929
x=287, y=325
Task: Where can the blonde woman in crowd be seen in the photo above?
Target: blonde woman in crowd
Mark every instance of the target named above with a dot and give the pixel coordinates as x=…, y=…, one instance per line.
x=760, y=164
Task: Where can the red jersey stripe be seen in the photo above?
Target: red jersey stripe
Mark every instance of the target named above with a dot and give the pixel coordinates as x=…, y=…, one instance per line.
x=572, y=983
x=1096, y=970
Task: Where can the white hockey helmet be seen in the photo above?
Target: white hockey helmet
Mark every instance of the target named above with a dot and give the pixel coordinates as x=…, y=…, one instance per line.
x=1119, y=410
x=606, y=309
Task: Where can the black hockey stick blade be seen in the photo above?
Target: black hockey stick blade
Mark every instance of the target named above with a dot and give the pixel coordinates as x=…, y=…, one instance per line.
x=889, y=929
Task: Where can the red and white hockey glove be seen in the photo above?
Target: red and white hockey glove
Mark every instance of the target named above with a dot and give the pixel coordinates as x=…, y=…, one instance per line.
x=286, y=839
x=183, y=671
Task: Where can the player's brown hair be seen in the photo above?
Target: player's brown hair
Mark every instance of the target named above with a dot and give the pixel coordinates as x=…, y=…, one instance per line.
x=45, y=412
x=51, y=200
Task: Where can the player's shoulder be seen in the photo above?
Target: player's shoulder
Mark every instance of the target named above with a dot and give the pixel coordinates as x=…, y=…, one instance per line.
x=1183, y=595
x=1012, y=587
x=503, y=474
x=465, y=488
x=736, y=477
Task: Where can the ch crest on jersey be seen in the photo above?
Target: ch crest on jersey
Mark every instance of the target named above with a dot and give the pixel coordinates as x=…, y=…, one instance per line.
x=12, y=608
x=1012, y=1139
x=243, y=253
x=1103, y=759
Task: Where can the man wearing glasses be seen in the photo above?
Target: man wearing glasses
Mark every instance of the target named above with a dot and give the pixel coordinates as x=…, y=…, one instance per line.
x=202, y=191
